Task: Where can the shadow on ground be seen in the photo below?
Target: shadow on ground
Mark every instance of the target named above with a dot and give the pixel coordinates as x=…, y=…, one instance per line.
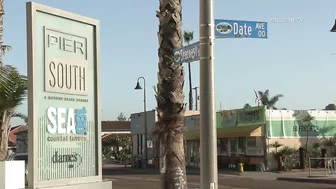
x=111, y=169
x=121, y=170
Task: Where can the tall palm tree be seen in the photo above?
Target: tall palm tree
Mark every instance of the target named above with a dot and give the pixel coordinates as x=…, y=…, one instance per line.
x=308, y=118
x=3, y=48
x=188, y=36
x=13, y=88
x=1, y=29
x=267, y=101
x=169, y=96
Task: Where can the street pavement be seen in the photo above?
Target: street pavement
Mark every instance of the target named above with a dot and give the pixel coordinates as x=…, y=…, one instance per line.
x=127, y=178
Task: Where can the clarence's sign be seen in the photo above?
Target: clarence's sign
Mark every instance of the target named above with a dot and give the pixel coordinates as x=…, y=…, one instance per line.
x=64, y=108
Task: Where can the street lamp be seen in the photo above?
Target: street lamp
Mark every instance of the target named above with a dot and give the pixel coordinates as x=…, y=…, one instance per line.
x=333, y=29
x=138, y=87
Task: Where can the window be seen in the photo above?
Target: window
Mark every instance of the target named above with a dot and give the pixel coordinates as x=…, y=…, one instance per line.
x=251, y=142
x=222, y=146
x=141, y=144
x=255, y=146
x=233, y=147
x=254, y=142
x=241, y=145
x=138, y=144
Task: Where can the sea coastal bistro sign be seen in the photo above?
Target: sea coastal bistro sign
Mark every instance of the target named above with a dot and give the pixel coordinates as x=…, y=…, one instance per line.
x=63, y=100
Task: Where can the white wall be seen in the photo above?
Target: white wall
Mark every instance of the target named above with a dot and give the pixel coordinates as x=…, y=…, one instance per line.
x=288, y=114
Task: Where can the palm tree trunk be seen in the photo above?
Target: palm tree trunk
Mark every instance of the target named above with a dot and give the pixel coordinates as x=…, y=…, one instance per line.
x=169, y=95
x=190, y=89
x=3, y=136
x=1, y=30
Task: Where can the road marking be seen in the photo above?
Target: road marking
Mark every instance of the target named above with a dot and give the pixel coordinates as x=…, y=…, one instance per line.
x=132, y=178
x=153, y=179
x=112, y=179
x=224, y=187
x=248, y=177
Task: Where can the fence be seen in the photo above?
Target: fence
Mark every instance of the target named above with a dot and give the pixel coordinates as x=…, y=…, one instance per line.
x=322, y=166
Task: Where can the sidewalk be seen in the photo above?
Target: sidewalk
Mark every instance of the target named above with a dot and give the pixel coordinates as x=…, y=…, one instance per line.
x=317, y=177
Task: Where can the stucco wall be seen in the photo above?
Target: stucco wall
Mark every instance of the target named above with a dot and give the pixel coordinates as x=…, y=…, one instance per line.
x=290, y=142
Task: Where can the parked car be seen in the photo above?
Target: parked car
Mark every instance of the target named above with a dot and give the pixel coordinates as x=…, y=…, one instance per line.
x=21, y=157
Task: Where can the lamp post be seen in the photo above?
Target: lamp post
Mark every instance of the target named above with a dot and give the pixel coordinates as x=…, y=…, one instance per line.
x=196, y=97
x=209, y=169
x=138, y=87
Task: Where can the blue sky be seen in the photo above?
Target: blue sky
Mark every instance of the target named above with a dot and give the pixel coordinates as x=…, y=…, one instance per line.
x=295, y=60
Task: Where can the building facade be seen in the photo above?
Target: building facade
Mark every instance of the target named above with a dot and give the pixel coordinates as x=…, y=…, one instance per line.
x=287, y=128
x=240, y=138
x=138, y=135
x=245, y=135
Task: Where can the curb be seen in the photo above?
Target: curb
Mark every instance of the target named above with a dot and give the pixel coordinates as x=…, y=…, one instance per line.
x=233, y=173
x=308, y=180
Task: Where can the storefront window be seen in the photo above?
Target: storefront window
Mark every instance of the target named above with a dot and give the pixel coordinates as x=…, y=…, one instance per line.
x=251, y=142
x=194, y=150
x=241, y=145
x=255, y=146
x=233, y=147
x=222, y=146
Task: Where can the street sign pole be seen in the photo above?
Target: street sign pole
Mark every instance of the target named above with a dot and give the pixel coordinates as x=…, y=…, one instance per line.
x=208, y=140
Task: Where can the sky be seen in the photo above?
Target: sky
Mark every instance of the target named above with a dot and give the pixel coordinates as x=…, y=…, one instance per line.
x=295, y=60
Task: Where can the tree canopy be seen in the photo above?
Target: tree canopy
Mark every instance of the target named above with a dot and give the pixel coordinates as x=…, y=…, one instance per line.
x=122, y=117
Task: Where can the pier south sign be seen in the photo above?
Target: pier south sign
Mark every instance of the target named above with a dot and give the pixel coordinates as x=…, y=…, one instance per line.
x=63, y=97
x=238, y=28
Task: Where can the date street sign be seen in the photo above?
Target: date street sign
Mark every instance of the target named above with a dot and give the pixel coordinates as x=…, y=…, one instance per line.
x=240, y=29
x=223, y=29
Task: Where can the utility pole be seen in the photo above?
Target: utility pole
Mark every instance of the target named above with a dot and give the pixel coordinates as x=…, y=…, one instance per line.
x=196, y=97
x=209, y=169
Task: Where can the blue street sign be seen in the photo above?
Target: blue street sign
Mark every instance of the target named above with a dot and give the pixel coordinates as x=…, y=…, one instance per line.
x=240, y=29
x=189, y=53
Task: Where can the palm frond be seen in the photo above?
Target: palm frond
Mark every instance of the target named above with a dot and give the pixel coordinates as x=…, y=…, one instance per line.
x=266, y=93
x=5, y=48
x=21, y=116
x=13, y=87
x=188, y=36
x=308, y=118
x=260, y=93
x=275, y=99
